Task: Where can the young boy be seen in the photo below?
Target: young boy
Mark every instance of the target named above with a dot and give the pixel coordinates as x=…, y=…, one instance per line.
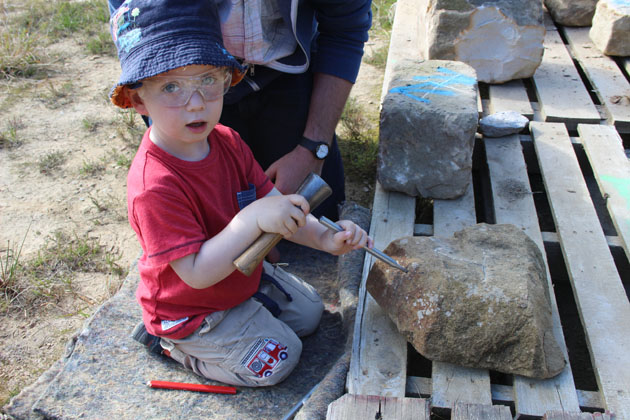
x=197, y=198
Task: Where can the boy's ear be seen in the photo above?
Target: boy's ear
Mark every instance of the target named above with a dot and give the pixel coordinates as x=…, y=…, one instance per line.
x=136, y=101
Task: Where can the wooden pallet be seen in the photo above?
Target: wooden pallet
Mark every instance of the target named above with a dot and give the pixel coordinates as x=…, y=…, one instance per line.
x=573, y=102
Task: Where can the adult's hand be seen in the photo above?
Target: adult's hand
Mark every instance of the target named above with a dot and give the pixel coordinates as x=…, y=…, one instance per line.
x=290, y=170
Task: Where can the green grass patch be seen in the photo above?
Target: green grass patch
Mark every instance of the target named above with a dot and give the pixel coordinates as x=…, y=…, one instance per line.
x=101, y=44
x=9, y=137
x=382, y=15
x=92, y=168
x=21, y=53
x=51, y=162
x=57, y=95
x=359, y=138
x=378, y=58
x=62, y=18
x=49, y=276
x=27, y=28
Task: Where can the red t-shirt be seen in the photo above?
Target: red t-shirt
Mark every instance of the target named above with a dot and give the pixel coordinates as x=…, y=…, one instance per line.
x=175, y=206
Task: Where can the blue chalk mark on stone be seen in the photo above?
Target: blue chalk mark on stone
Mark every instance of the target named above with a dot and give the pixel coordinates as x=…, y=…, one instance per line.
x=440, y=84
x=620, y=3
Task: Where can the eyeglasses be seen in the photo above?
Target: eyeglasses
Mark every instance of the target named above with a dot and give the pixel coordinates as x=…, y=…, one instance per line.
x=176, y=91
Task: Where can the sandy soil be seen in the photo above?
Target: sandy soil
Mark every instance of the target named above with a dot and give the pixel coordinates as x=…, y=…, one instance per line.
x=69, y=114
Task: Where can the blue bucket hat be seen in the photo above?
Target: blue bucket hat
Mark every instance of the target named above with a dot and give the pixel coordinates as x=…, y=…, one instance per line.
x=155, y=36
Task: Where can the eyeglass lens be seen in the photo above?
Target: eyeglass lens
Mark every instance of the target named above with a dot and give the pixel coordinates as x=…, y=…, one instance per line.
x=175, y=91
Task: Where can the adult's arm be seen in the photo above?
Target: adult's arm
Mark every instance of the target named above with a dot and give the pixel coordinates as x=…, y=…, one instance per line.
x=328, y=99
x=343, y=29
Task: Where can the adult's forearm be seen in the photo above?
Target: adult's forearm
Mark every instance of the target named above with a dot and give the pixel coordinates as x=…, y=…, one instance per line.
x=328, y=99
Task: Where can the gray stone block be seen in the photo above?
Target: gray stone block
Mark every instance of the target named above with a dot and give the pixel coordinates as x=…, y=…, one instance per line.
x=428, y=123
x=572, y=12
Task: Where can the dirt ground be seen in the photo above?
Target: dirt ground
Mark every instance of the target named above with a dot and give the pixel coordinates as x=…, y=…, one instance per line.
x=67, y=119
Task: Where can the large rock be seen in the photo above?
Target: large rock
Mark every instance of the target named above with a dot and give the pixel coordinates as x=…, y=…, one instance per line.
x=428, y=123
x=611, y=27
x=501, y=39
x=572, y=12
x=479, y=299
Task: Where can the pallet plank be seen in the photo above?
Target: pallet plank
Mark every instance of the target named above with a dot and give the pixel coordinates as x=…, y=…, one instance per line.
x=564, y=415
x=350, y=407
x=403, y=40
x=609, y=83
x=514, y=204
x=599, y=293
x=451, y=383
x=606, y=155
x=379, y=353
x=481, y=412
x=510, y=96
x=560, y=90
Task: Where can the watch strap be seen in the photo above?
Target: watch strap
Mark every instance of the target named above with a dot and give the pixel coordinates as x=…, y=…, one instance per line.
x=313, y=145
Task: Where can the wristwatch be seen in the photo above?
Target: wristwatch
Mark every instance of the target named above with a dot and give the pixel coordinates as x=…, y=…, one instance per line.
x=318, y=148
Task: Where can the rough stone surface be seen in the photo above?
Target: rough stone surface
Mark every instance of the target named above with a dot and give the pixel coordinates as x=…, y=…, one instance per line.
x=502, y=123
x=572, y=12
x=428, y=122
x=479, y=299
x=501, y=39
x=611, y=27
x=105, y=372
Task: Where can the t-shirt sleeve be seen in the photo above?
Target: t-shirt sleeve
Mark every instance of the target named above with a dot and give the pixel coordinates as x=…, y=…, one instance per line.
x=169, y=229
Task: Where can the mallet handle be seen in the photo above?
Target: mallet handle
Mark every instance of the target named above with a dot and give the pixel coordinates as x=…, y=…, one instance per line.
x=315, y=190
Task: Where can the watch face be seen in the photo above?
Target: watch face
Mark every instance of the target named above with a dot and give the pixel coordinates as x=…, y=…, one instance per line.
x=322, y=151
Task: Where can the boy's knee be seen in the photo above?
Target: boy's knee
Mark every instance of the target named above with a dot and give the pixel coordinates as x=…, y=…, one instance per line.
x=312, y=315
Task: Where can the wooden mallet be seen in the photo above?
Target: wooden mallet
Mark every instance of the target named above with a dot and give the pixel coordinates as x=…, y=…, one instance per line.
x=315, y=190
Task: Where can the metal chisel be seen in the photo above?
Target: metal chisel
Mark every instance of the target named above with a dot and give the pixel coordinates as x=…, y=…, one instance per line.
x=375, y=252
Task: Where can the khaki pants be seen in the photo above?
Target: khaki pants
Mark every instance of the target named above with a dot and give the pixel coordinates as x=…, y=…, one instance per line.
x=247, y=345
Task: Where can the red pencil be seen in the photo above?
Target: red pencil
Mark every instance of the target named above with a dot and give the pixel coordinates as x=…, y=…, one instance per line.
x=215, y=389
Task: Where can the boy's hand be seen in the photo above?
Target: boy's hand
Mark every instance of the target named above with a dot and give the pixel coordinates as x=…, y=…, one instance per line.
x=353, y=237
x=281, y=214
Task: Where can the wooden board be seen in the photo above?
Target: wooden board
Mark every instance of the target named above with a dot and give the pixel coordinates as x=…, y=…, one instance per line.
x=352, y=407
x=561, y=93
x=510, y=96
x=609, y=83
x=564, y=415
x=599, y=294
x=514, y=204
x=379, y=353
x=403, y=41
x=451, y=383
x=606, y=155
x=481, y=412
x=421, y=387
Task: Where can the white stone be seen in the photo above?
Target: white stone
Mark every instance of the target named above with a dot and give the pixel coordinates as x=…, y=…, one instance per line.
x=611, y=27
x=501, y=40
x=513, y=53
x=502, y=124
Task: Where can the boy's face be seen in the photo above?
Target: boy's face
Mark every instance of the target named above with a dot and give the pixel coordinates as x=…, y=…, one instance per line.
x=185, y=105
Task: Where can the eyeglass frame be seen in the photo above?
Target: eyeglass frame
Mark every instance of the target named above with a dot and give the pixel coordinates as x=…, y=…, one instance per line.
x=189, y=88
